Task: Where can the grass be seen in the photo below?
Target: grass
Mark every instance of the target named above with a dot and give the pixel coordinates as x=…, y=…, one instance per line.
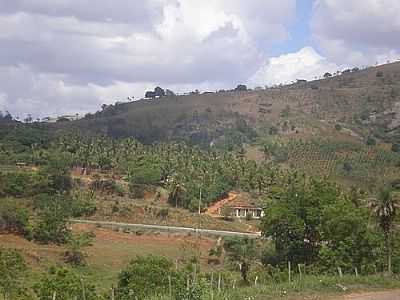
x=309, y=287
x=110, y=253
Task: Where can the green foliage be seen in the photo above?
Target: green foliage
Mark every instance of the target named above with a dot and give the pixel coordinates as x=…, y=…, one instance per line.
x=75, y=254
x=58, y=172
x=370, y=141
x=21, y=184
x=145, y=276
x=349, y=242
x=14, y=218
x=64, y=284
x=12, y=270
x=52, y=224
x=293, y=218
x=82, y=203
x=145, y=173
x=338, y=127
x=242, y=251
x=395, y=147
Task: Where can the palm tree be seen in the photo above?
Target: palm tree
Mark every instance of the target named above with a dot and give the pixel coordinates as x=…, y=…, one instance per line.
x=385, y=208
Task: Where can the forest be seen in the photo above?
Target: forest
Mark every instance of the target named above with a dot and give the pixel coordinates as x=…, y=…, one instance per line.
x=312, y=227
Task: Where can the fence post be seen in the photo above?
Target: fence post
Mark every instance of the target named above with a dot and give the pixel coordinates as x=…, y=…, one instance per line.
x=112, y=293
x=54, y=295
x=170, y=286
x=356, y=271
x=299, y=267
x=340, y=272
x=219, y=283
x=212, y=285
x=83, y=289
x=289, y=271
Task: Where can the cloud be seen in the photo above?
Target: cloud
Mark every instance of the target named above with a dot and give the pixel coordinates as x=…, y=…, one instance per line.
x=357, y=32
x=70, y=50
x=304, y=64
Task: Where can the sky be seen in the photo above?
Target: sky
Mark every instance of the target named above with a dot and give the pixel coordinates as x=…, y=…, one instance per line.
x=71, y=56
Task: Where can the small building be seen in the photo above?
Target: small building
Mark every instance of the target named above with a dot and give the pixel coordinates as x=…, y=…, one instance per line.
x=243, y=206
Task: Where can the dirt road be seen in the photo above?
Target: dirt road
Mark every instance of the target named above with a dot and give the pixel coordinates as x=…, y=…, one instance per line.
x=387, y=295
x=168, y=228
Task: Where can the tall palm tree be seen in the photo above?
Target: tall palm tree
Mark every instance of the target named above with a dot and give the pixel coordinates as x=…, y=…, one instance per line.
x=385, y=206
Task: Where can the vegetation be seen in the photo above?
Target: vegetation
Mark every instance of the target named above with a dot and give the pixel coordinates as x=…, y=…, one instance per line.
x=319, y=167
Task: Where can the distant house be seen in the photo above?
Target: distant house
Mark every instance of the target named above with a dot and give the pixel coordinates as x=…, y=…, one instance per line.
x=244, y=206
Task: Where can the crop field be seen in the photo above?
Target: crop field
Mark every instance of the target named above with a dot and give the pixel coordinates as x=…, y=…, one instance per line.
x=355, y=162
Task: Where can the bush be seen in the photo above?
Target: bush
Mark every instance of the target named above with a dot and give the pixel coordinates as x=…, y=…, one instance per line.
x=13, y=218
x=65, y=283
x=12, y=269
x=107, y=186
x=338, y=127
x=396, y=147
x=145, y=276
x=371, y=141
x=52, y=224
x=18, y=184
x=75, y=254
x=136, y=191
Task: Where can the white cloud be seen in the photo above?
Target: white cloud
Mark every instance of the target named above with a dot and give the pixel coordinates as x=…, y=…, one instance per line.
x=357, y=32
x=71, y=55
x=304, y=64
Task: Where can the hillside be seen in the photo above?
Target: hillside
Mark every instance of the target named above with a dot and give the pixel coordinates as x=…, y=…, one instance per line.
x=365, y=102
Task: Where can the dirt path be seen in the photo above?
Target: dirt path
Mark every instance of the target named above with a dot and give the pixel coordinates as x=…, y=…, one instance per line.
x=164, y=228
x=213, y=210
x=387, y=295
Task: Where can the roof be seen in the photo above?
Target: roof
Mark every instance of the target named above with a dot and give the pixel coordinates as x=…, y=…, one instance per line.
x=244, y=200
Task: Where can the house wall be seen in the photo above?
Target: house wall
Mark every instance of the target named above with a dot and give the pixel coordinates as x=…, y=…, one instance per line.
x=241, y=212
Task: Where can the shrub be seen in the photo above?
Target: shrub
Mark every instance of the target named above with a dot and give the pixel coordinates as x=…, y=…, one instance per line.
x=75, y=254
x=65, y=283
x=13, y=218
x=12, y=269
x=52, y=224
x=396, y=147
x=371, y=141
x=136, y=191
x=145, y=276
x=338, y=127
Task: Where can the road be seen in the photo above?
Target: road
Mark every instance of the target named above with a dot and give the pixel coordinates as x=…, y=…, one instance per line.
x=168, y=228
x=387, y=295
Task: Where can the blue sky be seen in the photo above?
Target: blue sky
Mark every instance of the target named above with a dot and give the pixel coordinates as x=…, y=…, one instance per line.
x=68, y=56
x=299, y=30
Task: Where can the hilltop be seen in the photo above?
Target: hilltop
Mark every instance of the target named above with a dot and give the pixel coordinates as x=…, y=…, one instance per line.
x=364, y=102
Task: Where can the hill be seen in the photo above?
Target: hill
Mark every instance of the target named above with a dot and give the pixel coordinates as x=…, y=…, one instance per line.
x=364, y=102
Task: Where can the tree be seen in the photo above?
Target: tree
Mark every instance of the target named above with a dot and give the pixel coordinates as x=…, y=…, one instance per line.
x=76, y=243
x=145, y=276
x=371, y=141
x=242, y=251
x=65, y=284
x=241, y=87
x=52, y=224
x=385, y=206
x=327, y=75
x=12, y=270
x=150, y=95
x=169, y=93
x=159, y=92
x=293, y=217
x=396, y=147
x=13, y=218
x=348, y=241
